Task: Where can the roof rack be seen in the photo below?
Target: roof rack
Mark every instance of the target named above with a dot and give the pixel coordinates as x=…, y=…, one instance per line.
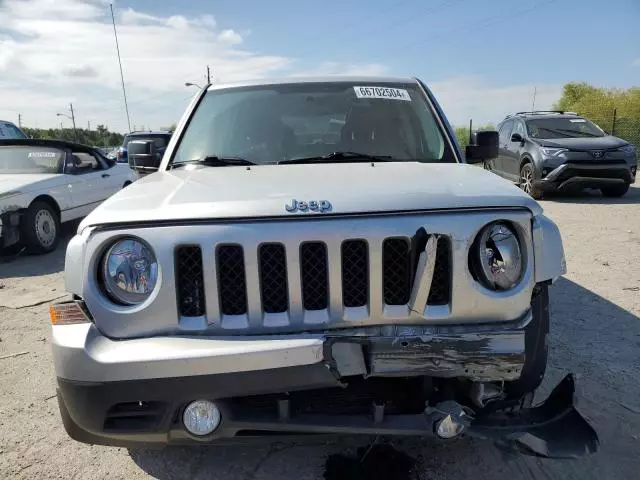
x=541, y=112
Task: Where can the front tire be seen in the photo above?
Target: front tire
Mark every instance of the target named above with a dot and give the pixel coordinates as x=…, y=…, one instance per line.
x=527, y=179
x=615, y=192
x=41, y=228
x=536, y=348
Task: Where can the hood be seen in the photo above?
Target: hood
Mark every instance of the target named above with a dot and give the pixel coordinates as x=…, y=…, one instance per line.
x=590, y=143
x=11, y=182
x=263, y=191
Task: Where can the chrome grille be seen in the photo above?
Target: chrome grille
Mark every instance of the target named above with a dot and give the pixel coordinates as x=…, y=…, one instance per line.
x=231, y=280
x=315, y=276
x=355, y=273
x=275, y=287
x=189, y=281
x=273, y=278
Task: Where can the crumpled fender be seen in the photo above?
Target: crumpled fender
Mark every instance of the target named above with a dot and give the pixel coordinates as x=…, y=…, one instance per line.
x=549, y=259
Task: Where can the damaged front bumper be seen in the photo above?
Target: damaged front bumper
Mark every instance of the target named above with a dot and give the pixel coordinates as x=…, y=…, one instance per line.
x=133, y=392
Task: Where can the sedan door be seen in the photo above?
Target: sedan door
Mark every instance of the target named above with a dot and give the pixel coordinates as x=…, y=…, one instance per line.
x=90, y=183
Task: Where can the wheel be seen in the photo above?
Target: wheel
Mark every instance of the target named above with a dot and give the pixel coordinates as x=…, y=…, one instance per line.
x=487, y=165
x=615, y=192
x=536, y=348
x=527, y=177
x=40, y=228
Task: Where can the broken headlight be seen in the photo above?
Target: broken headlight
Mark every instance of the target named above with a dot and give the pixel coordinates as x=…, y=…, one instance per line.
x=129, y=271
x=496, y=258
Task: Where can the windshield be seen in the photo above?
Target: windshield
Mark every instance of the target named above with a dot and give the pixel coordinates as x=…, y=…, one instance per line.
x=9, y=130
x=30, y=159
x=563, y=128
x=274, y=123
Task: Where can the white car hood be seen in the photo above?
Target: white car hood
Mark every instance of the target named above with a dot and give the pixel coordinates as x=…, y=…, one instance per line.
x=22, y=182
x=263, y=191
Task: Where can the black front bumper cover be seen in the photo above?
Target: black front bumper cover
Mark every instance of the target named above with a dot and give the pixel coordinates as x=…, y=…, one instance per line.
x=152, y=411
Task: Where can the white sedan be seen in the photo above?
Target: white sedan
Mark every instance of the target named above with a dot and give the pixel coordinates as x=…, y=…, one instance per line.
x=44, y=183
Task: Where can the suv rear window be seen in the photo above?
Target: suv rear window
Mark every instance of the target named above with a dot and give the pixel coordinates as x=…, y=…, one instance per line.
x=9, y=130
x=269, y=123
x=161, y=141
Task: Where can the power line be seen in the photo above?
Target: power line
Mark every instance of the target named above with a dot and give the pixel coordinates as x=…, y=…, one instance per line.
x=124, y=92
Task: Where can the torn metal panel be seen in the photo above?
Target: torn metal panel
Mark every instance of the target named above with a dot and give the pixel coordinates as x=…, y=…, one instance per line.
x=423, y=277
x=478, y=357
x=348, y=358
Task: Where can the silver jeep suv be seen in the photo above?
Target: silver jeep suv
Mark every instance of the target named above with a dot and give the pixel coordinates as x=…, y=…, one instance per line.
x=313, y=256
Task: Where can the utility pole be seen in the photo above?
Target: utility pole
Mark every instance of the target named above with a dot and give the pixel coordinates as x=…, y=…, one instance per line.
x=533, y=105
x=73, y=120
x=124, y=92
x=208, y=75
x=19, y=120
x=89, y=125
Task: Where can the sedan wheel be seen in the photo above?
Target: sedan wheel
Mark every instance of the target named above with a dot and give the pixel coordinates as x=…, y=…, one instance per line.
x=41, y=228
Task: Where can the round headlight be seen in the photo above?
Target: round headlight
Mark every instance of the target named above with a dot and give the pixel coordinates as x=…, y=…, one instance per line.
x=130, y=271
x=498, y=257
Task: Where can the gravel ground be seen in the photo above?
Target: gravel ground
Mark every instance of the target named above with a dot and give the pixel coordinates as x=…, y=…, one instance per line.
x=595, y=334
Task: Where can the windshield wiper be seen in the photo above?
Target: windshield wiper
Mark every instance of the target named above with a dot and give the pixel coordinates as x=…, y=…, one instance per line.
x=339, y=157
x=214, y=161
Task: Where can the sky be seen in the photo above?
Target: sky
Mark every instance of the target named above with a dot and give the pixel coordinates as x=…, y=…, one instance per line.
x=482, y=59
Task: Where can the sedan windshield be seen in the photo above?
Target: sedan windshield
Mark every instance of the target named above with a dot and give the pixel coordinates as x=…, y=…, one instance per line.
x=315, y=123
x=27, y=159
x=563, y=128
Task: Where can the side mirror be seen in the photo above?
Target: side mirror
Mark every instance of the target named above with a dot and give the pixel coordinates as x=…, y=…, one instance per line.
x=516, y=137
x=485, y=147
x=143, y=157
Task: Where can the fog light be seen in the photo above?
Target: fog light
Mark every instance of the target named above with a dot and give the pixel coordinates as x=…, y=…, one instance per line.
x=201, y=417
x=448, y=428
x=545, y=172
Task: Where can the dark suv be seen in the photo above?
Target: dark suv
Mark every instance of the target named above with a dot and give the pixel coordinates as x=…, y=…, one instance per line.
x=558, y=151
x=160, y=138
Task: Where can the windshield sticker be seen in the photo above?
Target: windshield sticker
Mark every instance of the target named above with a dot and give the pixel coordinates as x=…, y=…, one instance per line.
x=578, y=120
x=382, y=92
x=41, y=155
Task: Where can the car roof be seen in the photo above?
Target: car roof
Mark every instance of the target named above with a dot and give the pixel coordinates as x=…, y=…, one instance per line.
x=39, y=142
x=154, y=132
x=364, y=79
x=541, y=115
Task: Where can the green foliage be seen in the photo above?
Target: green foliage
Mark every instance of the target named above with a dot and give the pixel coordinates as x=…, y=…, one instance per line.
x=599, y=104
x=100, y=137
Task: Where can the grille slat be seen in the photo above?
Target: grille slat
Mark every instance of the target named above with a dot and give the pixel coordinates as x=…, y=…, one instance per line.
x=396, y=271
x=314, y=273
x=273, y=278
x=440, y=292
x=190, y=281
x=232, y=283
x=355, y=273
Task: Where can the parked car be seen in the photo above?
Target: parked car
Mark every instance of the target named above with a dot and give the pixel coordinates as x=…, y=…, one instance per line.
x=44, y=183
x=314, y=256
x=8, y=130
x=548, y=151
x=160, y=139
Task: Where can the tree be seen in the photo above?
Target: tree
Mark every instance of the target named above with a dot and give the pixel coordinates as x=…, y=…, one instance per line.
x=616, y=111
x=101, y=137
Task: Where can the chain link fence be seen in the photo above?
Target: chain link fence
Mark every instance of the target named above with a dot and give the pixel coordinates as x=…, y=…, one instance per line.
x=614, y=123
